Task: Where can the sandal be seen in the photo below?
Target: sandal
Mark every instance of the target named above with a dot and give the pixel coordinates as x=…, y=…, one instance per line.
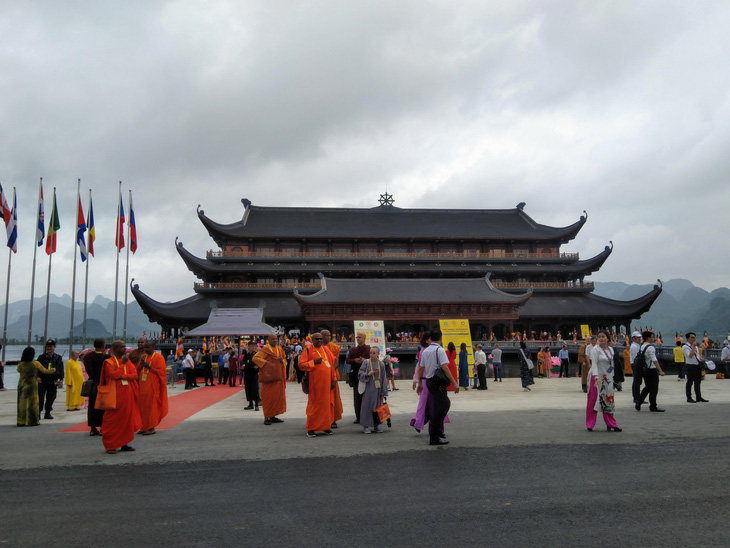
x=111, y=451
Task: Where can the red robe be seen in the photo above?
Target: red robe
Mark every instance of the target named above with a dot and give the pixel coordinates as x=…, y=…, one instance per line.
x=121, y=423
x=152, y=390
x=273, y=394
x=335, y=351
x=321, y=401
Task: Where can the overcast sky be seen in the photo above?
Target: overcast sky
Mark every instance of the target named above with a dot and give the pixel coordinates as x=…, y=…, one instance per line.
x=616, y=108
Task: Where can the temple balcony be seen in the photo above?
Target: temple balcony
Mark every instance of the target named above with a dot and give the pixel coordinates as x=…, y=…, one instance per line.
x=203, y=286
x=542, y=285
x=455, y=255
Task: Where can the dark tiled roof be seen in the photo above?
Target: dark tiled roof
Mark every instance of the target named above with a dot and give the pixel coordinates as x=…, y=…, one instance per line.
x=395, y=290
x=585, y=305
x=387, y=222
x=203, y=268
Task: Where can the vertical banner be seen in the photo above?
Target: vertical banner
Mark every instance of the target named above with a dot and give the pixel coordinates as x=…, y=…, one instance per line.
x=374, y=333
x=585, y=331
x=457, y=331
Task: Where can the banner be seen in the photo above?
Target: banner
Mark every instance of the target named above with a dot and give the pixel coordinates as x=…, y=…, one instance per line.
x=457, y=331
x=585, y=331
x=374, y=333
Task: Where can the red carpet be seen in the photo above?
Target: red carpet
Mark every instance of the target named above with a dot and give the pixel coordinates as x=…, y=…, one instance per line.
x=182, y=404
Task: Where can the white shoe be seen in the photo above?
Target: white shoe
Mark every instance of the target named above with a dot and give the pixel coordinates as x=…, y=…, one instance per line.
x=377, y=430
x=366, y=430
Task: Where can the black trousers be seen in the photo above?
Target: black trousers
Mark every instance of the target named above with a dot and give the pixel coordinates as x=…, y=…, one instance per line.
x=46, y=393
x=564, y=365
x=441, y=405
x=251, y=384
x=636, y=386
x=189, y=377
x=208, y=375
x=482, y=376
x=651, y=378
x=357, y=400
x=694, y=376
x=223, y=375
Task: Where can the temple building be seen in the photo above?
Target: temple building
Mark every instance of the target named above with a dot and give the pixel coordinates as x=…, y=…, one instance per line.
x=310, y=268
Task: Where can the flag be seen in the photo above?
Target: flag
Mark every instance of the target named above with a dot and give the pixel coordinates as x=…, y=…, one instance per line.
x=90, y=227
x=132, y=227
x=40, y=233
x=706, y=340
x=205, y=345
x=659, y=339
x=80, y=230
x=119, y=236
x=6, y=213
x=179, y=349
x=53, y=227
x=13, y=226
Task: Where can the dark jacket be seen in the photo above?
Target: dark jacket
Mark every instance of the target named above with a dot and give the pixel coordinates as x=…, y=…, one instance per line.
x=52, y=361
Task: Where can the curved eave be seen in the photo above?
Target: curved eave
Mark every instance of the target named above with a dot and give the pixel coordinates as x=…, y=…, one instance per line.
x=220, y=233
x=164, y=312
x=593, y=264
x=199, y=267
x=563, y=234
x=634, y=308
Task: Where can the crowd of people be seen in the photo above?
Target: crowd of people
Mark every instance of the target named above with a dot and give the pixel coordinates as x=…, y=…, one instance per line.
x=125, y=392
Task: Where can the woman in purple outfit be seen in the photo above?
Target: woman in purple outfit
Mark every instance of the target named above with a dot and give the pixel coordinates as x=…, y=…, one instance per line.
x=425, y=401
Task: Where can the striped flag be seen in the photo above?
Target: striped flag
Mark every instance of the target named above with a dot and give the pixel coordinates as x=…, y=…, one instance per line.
x=132, y=227
x=179, y=349
x=90, y=227
x=80, y=230
x=205, y=346
x=6, y=213
x=53, y=227
x=40, y=232
x=13, y=226
x=119, y=232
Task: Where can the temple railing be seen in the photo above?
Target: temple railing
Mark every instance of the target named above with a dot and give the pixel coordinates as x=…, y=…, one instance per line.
x=570, y=284
x=259, y=285
x=388, y=255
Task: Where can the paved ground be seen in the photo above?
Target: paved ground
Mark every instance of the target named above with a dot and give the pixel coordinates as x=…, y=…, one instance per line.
x=521, y=470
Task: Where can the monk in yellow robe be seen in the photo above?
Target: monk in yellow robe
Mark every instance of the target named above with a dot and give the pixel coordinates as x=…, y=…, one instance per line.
x=318, y=362
x=272, y=376
x=74, y=379
x=335, y=351
x=152, y=388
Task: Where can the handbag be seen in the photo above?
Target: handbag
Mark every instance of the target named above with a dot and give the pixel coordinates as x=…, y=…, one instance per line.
x=305, y=383
x=87, y=388
x=271, y=372
x=441, y=379
x=528, y=361
x=106, y=395
x=361, y=387
x=383, y=412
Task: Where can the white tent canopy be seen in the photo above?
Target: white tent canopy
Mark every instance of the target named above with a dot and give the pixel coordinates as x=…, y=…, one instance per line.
x=233, y=321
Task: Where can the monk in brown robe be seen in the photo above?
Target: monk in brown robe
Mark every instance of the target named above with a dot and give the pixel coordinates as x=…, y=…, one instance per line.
x=123, y=421
x=318, y=362
x=272, y=376
x=335, y=351
x=152, y=388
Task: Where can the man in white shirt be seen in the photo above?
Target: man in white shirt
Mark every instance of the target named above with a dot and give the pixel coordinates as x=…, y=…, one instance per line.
x=651, y=374
x=433, y=358
x=725, y=356
x=637, y=373
x=564, y=358
x=188, y=366
x=480, y=360
x=693, y=365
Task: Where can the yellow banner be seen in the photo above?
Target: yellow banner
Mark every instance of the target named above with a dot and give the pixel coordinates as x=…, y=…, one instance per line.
x=585, y=331
x=374, y=333
x=457, y=331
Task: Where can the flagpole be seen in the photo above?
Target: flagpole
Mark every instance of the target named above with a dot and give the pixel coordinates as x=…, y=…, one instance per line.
x=50, y=258
x=7, y=292
x=86, y=282
x=116, y=277
x=35, y=251
x=126, y=276
x=73, y=272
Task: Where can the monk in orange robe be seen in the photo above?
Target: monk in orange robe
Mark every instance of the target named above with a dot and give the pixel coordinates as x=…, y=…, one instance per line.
x=152, y=388
x=335, y=351
x=318, y=361
x=120, y=423
x=272, y=376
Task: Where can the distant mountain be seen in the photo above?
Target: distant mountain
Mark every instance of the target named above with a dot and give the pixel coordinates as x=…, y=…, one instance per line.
x=99, y=318
x=681, y=307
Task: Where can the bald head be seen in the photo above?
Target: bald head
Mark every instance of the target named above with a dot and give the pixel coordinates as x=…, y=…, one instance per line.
x=326, y=336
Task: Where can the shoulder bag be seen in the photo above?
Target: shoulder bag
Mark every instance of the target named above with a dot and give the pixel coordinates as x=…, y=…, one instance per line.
x=271, y=372
x=106, y=396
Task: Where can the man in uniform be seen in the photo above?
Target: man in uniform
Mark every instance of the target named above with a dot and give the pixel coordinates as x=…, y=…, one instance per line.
x=51, y=382
x=638, y=372
x=152, y=388
x=335, y=351
x=318, y=362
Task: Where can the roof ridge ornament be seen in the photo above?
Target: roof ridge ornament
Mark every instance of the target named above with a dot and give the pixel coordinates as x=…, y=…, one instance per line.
x=521, y=206
x=386, y=199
